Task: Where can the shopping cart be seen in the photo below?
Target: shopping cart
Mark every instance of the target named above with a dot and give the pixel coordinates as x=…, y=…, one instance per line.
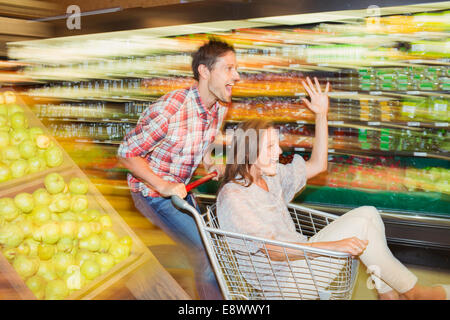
x=245, y=271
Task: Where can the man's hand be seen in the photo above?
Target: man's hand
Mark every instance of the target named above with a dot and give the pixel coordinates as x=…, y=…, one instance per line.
x=167, y=189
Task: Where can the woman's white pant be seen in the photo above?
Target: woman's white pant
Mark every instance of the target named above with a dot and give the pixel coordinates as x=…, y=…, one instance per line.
x=296, y=280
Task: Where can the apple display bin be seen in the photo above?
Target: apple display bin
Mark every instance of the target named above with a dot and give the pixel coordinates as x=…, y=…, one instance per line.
x=33, y=121
x=139, y=253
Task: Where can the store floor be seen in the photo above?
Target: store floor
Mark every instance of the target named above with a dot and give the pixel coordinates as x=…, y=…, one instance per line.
x=172, y=257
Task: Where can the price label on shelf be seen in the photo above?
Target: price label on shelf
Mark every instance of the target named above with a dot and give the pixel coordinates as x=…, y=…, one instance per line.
x=441, y=124
x=420, y=154
x=330, y=150
x=299, y=149
x=373, y=123
x=335, y=122
x=413, y=124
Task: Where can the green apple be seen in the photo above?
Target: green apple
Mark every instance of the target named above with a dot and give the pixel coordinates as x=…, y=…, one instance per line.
x=27, y=149
x=3, y=108
x=27, y=227
x=47, y=270
x=83, y=255
x=5, y=173
x=18, y=120
x=33, y=132
x=119, y=251
x=109, y=235
x=17, y=136
x=4, y=139
x=24, y=201
x=69, y=229
x=14, y=108
x=40, y=214
x=41, y=197
x=10, y=153
x=90, y=269
x=53, y=156
x=73, y=278
x=11, y=236
x=37, y=285
x=54, y=183
x=4, y=122
x=106, y=221
x=56, y=290
x=60, y=203
x=93, y=214
x=62, y=261
x=19, y=168
x=126, y=240
x=51, y=232
x=96, y=227
x=42, y=141
x=26, y=266
x=65, y=244
x=79, y=203
x=8, y=209
x=68, y=216
x=84, y=230
x=36, y=164
x=46, y=251
x=91, y=243
x=78, y=186
x=105, y=261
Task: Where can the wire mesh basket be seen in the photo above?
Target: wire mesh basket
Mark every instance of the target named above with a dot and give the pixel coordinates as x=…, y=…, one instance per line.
x=252, y=268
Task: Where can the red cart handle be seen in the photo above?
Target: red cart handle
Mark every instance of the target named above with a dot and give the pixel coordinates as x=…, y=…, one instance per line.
x=200, y=181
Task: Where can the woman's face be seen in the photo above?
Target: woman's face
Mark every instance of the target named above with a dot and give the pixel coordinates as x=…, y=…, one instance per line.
x=269, y=152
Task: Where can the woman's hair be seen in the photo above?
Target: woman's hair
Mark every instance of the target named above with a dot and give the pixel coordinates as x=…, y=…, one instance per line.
x=208, y=54
x=244, y=150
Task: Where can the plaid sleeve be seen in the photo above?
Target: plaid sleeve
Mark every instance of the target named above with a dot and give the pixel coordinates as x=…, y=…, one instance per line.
x=150, y=129
x=152, y=126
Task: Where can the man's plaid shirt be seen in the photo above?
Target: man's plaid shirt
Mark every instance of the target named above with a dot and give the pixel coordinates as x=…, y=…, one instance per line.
x=172, y=135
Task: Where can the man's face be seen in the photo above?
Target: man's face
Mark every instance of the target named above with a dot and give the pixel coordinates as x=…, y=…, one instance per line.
x=223, y=76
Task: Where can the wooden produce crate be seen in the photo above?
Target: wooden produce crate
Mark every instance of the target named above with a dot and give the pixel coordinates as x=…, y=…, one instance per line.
x=33, y=121
x=139, y=253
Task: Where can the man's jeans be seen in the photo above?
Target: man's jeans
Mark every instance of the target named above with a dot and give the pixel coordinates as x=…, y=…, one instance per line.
x=181, y=227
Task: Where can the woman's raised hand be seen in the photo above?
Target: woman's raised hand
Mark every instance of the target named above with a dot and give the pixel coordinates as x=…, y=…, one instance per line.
x=319, y=100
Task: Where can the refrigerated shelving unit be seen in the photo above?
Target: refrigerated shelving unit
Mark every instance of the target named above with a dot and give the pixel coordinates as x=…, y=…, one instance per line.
x=108, y=73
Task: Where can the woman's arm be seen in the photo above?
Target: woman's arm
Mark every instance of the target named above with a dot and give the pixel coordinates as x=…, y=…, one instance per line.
x=353, y=246
x=319, y=105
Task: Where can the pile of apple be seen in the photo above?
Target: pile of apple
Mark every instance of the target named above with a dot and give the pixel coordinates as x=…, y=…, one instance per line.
x=55, y=240
x=23, y=149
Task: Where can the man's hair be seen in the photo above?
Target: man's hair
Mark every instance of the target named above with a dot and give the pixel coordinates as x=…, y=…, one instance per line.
x=208, y=54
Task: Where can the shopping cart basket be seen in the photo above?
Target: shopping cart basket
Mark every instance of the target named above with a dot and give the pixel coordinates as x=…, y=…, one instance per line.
x=245, y=271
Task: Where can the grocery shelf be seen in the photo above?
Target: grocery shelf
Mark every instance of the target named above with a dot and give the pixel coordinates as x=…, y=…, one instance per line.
x=94, y=120
x=443, y=156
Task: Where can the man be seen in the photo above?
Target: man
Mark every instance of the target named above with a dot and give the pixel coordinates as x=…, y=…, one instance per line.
x=169, y=142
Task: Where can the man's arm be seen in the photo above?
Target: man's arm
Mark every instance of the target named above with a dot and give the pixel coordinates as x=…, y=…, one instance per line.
x=140, y=169
x=152, y=127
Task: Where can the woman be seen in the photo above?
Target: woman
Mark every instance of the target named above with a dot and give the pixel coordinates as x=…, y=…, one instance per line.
x=252, y=200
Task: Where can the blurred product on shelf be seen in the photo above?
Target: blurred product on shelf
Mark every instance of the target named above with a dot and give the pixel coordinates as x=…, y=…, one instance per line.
x=389, y=96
